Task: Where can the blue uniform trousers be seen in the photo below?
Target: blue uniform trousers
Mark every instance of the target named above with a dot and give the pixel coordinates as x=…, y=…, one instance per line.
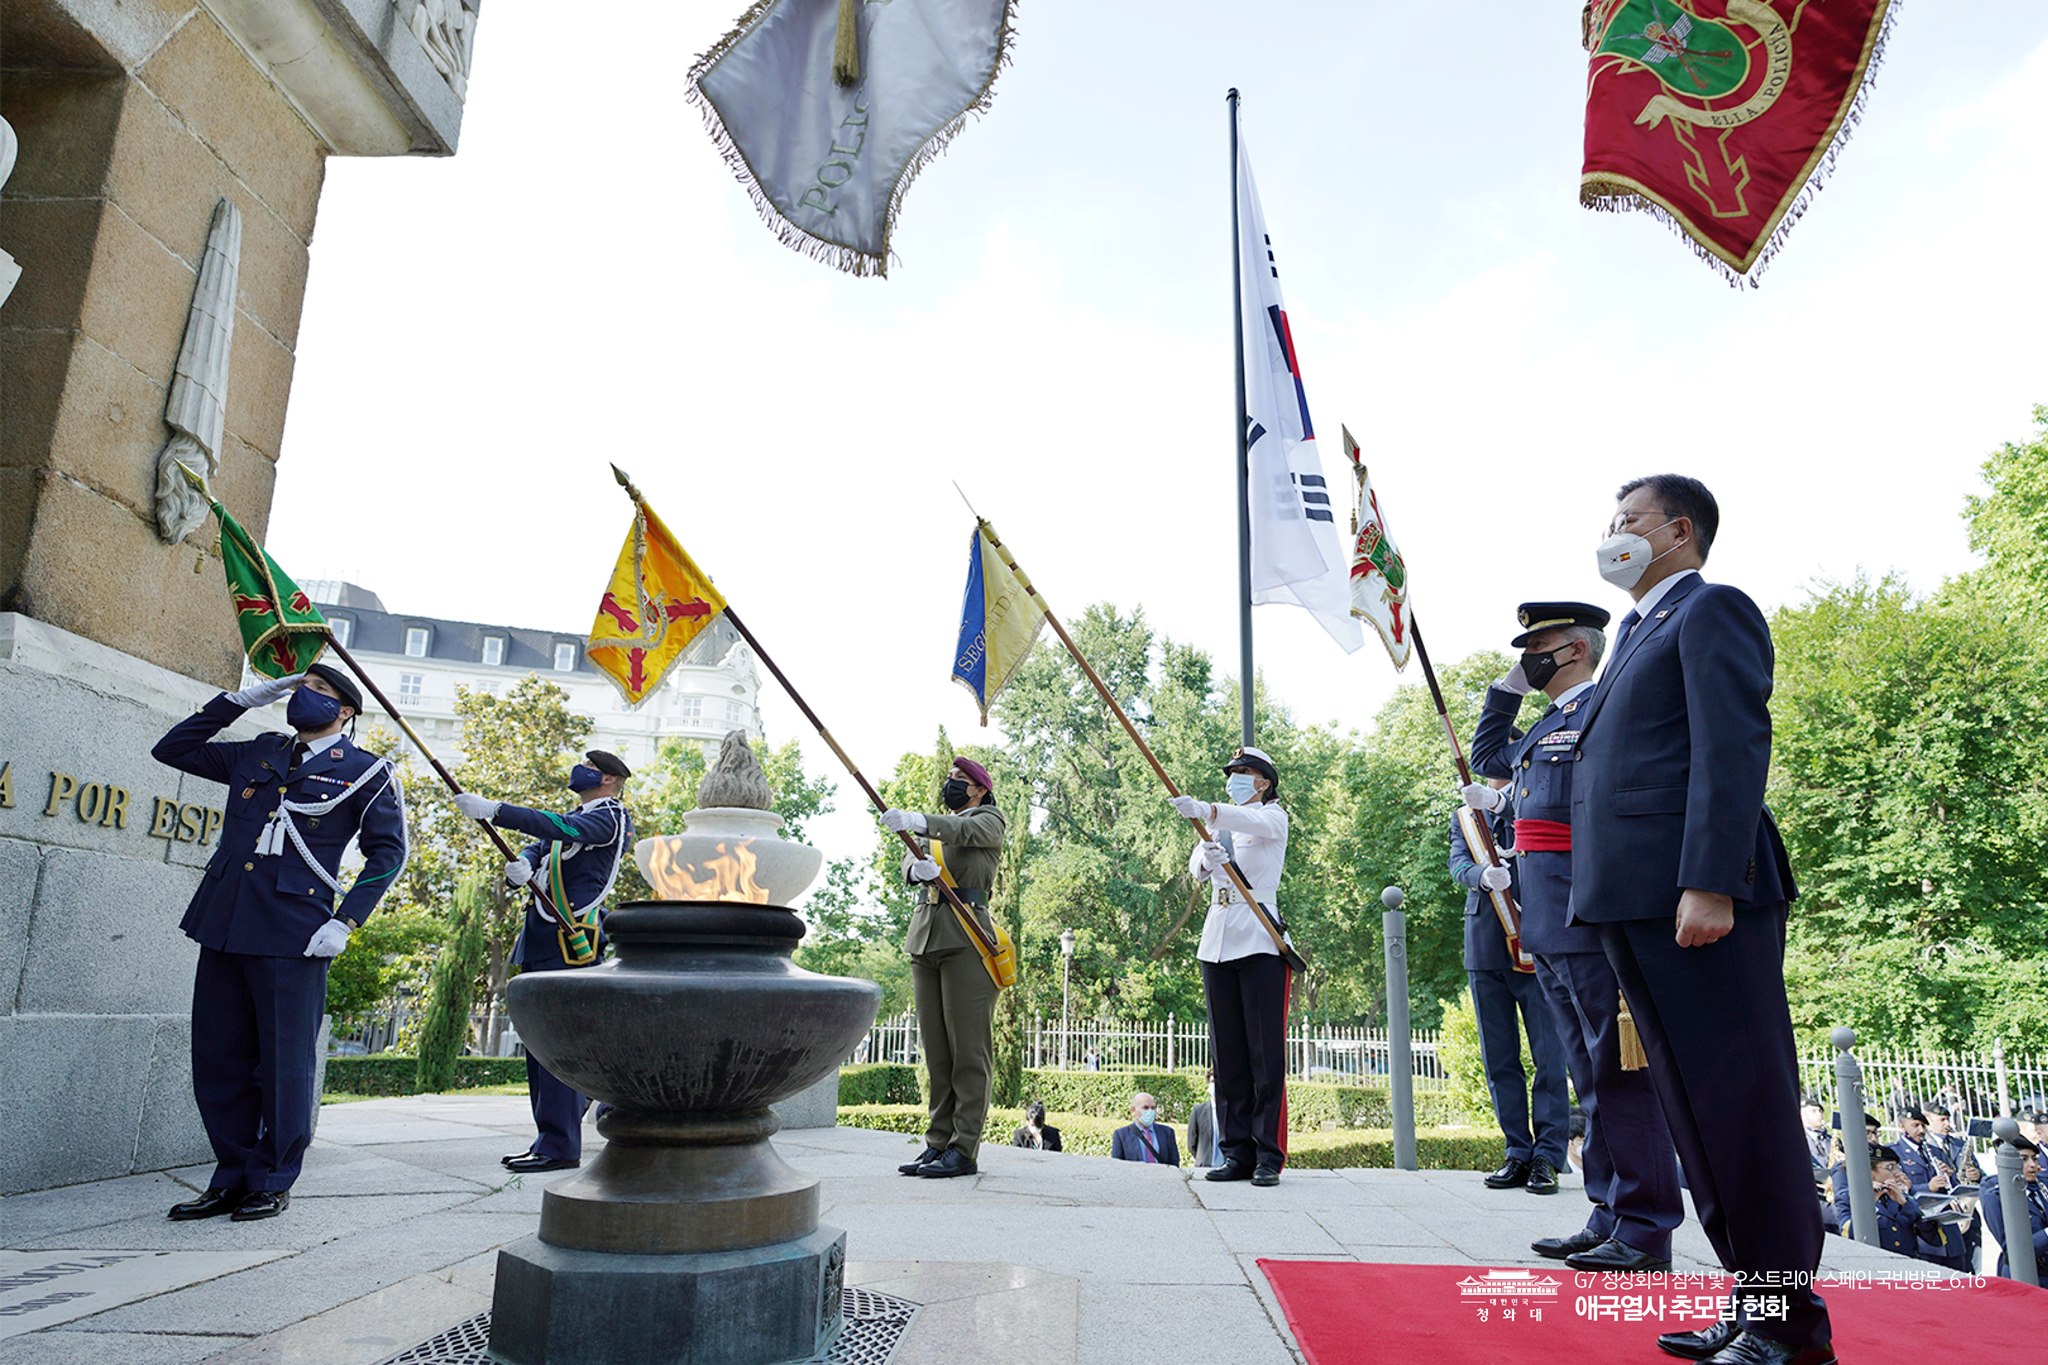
x=1496, y=998
x=1715, y=1024
x=557, y=1106
x=1631, y=1174
x=255, y=1028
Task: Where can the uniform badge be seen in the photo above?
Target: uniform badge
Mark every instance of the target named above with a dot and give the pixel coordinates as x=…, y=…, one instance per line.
x=1568, y=707
x=248, y=792
x=334, y=753
x=1662, y=614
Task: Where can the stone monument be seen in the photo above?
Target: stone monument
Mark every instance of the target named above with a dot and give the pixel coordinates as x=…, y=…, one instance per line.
x=688, y=1239
x=167, y=164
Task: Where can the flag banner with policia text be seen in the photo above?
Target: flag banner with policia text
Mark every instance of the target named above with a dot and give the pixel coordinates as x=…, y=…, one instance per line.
x=1379, y=576
x=658, y=601
x=282, y=631
x=1000, y=617
x=1723, y=117
x=827, y=111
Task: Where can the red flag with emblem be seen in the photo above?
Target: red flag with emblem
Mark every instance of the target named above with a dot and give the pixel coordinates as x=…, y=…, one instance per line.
x=658, y=601
x=1722, y=117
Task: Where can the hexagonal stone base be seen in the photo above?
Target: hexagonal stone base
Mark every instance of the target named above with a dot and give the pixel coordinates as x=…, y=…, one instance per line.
x=557, y=1306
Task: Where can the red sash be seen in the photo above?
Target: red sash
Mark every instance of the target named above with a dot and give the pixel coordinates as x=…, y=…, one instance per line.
x=1543, y=836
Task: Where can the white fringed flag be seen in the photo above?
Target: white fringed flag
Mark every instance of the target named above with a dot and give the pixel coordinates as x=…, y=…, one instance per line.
x=828, y=158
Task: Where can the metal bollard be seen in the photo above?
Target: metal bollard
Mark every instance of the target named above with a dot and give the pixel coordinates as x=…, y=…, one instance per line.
x=1850, y=1104
x=1400, y=1061
x=2015, y=1229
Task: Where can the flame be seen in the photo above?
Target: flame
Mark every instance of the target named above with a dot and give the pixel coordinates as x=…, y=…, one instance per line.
x=729, y=876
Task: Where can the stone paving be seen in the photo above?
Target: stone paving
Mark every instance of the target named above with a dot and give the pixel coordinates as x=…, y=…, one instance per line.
x=392, y=1231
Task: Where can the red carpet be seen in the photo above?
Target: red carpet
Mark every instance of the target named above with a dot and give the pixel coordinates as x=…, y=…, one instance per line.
x=1345, y=1313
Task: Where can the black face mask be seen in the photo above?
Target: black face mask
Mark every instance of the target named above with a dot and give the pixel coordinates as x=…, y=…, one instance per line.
x=1539, y=669
x=954, y=794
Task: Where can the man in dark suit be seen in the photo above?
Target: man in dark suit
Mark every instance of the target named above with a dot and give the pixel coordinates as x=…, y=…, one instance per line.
x=1676, y=860
x=575, y=857
x=1145, y=1139
x=1499, y=992
x=269, y=916
x=1631, y=1180
x=1204, y=1146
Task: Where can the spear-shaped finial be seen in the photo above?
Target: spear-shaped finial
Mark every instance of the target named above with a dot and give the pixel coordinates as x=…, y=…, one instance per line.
x=197, y=483
x=626, y=483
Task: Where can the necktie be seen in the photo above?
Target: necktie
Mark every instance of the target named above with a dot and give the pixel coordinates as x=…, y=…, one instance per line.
x=1630, y=619
x=299, y=750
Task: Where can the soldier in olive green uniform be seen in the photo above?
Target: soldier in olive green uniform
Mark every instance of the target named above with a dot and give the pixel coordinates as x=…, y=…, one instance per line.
x=956, y=996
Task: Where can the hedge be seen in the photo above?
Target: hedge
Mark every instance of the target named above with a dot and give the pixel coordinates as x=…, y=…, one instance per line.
x=1436, y=1149
x=1310, y=1104
x=881, y=1083
x=395, y=1073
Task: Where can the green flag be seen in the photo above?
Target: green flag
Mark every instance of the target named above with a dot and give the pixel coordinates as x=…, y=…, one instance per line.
x=282, y=631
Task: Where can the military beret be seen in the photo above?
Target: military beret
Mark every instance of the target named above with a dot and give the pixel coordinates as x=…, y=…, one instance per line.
x=1537, y=617
x=975, y=773
x=1912, y=1111
x=1880, y=1152
x=1253, y=760
x=608, y=763
x=342, y=683
x=1940, y=1109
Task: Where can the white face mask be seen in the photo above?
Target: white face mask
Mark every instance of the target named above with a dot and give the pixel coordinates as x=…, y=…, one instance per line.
x=1625, y=557
x=1242, y=787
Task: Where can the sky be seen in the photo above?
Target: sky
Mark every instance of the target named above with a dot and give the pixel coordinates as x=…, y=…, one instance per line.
x=584, y=283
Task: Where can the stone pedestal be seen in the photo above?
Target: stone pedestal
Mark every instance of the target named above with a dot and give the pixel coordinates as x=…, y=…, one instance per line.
x=559, y=1306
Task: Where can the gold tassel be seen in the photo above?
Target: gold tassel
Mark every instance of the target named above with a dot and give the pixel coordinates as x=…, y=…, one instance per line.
x=846, y=44
x=1633, y=1058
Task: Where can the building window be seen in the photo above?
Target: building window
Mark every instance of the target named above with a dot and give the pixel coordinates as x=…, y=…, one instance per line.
x=494, y=649
x=344, y=629
x=565, y=658
x=690, y=708
x=734, y=711
x=410, y=685
x=415, y=642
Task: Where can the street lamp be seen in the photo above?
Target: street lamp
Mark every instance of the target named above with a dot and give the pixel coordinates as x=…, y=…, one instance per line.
x=1066, y=975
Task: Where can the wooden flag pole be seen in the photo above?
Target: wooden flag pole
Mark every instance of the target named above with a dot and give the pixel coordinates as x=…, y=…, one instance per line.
x=363, y=675
x=1443, y=714
x=1237, y=879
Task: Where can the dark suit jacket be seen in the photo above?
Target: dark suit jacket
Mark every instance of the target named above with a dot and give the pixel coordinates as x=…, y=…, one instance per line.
x=1486, y=943
x=1048, y=1136
x=1673, y=751
x=1201, y=1134
x=1126, y=1145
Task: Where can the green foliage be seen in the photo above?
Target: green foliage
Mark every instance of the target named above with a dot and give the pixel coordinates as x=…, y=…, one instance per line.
x=880, y=1083
x=445, y=1029
x=1436, y=1149
x=1464, y=1067
x=1310, y=1104
x=397, y=1073
x=2009, y=526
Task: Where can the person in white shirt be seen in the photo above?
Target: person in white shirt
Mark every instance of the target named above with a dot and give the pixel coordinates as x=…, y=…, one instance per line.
x=1243, y=975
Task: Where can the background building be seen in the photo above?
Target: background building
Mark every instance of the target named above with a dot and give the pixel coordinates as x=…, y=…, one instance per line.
x=422, y=660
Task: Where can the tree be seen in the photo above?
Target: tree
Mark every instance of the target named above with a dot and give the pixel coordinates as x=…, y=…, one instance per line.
x=451, y=986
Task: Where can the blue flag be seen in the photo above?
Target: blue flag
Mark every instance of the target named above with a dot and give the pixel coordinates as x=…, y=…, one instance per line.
x=1000, y=617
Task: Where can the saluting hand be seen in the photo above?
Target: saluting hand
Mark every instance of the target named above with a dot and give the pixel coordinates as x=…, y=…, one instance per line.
x=1704, y=917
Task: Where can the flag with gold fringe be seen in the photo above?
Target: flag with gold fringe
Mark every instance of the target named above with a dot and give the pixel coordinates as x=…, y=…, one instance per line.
x=657, y=601
x=282, y=631
x=1723, y=117
x=1379, y=576
x=1000, y=617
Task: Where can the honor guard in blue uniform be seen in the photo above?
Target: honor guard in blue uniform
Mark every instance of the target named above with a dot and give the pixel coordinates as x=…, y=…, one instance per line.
x=1676, y=860
x=1498, y=992
x=1902, y=1228
x=270, y=914
x=575, y=857
x=1631, y=1177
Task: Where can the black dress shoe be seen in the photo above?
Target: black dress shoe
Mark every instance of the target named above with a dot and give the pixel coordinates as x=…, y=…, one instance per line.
x=1542, y=1177
x=1754, y=1348
x=212, y=1204
x=533, y=1163
x=1557, y=1248
x=924, y=1159
x=1512, y=1176
x=954, y=1162
x=510, y=1157
x=1618, y=1257
x=1229, y=1170
x=1265, y=1177
x=1701, y=1344
x=262, y=1204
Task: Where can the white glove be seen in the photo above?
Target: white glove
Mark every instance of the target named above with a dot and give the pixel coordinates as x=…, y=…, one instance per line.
x=896, y=821
x=924, y=870
x=1189, y=808
x=518, y=872
x=328, y=940
x=1214, y=858
x=476, y=807
x=1478, y=795
x=1516, y=681
x=1495, y=878
x=266, y=691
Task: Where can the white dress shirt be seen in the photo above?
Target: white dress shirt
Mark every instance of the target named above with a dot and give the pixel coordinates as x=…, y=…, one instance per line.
x=1258, y=832
x=1644, y=608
